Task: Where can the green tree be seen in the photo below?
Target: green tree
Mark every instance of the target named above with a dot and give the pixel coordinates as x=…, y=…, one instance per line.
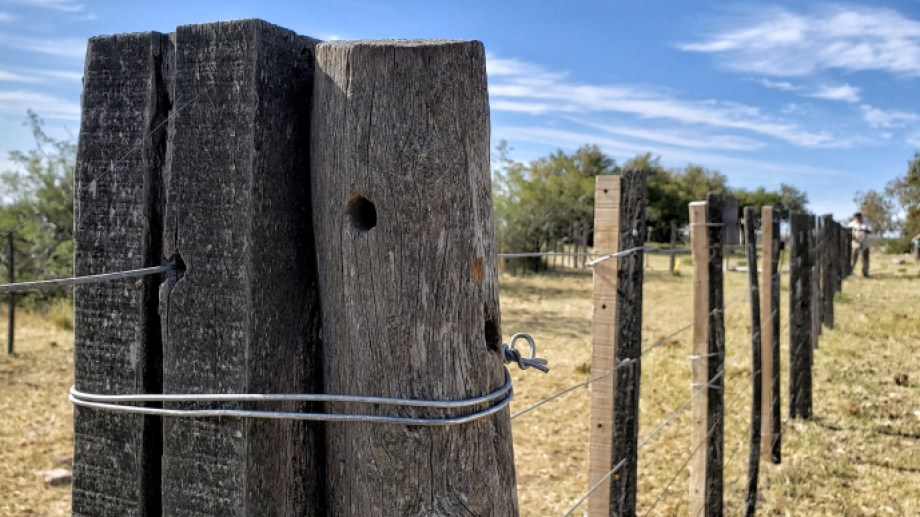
x=37, y=205
x=879, y=209
x=537, y=204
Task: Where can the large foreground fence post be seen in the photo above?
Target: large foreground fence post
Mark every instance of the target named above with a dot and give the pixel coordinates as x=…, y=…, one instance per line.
x=118, y=226
x=240, y=315
x=770, y=332
x=409, y=286
x=619, y=226
x=708, y=358
x=800, y=314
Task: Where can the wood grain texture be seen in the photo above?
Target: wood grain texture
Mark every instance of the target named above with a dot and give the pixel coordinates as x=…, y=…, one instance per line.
x=800, y=307
x=117, y=219
x=607, y=207
x=617, y=337
x=770, y=334
x=750, y=503
x=403, y=219
x=630, y=273
x=699, y=367
x=709, y=355
x=242, y=317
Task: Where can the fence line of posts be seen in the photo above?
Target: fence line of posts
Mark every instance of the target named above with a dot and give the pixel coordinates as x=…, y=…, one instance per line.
x=367, y=276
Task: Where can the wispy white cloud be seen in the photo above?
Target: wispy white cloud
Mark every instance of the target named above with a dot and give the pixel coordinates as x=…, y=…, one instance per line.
x=66, y=6
x=845, y=93
x=6, y=17
x=523, y=87
x=13, y=77
x=879, y=118
x=754, y=170
x=693, y=139
x=780, y=42
x=17, y=102
x=71, y=48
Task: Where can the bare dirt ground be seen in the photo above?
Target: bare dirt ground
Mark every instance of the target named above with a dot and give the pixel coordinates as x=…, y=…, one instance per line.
x=860, y=455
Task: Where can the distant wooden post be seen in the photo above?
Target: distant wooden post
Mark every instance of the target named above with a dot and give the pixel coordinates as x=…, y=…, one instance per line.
x=841, y=255
x=708, y=357
x=770, y=334
x=756, y=370
x=118, y=205
x=10, y=277
x=816, y=298
x=672, y=258
x=619, y=224
x=241, y=313
x=409, y=288
x=829, y=266
x=800, y=346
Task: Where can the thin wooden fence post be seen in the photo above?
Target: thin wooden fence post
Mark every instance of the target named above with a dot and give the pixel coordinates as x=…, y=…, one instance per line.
x=408, y=282
x=11, y=277
x=617, y=340
x=756, y=368
x=840, y=250
x=828, y=269
x=816, y=300
x=800, y=346
x=770, y=333
x=241, y=313
x=708, y=357
x=118, y=226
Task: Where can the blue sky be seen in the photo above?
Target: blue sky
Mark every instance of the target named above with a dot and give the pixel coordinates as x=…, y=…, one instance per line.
x=823, y=96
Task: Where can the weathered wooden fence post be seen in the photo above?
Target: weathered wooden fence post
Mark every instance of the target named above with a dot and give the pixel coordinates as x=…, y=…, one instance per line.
x=800, y=346
x=770, y=333
x=11, y=302
x=756, y=370
x=118, y=226
x=672, y=257
x=619, y=224
x=708, y=357
x=816, y=274
x=409, y=287
x=241, y=314
x=828, y=247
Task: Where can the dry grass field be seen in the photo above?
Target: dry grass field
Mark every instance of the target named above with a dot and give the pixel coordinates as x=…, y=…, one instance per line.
x=859, y=456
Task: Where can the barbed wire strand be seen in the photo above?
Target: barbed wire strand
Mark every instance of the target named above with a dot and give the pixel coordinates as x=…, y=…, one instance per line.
x=594, y=488
x=41, y=285
x=687, y=460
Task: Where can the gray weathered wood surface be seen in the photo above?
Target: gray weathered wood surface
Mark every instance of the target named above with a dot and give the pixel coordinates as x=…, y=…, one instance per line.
x=241, y=316
x=828, y=258
x=118, y=227
x=403, y=219
x=750, y=503
x=630, y=274
x=800, y=307
x=716, y=364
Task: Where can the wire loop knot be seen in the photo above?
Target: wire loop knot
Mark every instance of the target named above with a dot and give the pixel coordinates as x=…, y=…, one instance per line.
x=513, y=355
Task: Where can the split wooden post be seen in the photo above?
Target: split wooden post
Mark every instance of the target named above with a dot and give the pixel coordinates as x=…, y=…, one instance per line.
x=770, y=428
x=756, y=369
x=828, y=269
x=10, y=277
x=409, y=286
x=619, y=224
x=118, y=226
x=708, y=358
x=240, y=315
x=800, y=345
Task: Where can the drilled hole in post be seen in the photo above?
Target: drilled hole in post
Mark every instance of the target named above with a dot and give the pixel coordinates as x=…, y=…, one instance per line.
x=362, y=212
x=491, y=331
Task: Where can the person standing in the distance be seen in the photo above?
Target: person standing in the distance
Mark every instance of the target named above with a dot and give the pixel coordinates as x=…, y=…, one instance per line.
x=861, y=231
